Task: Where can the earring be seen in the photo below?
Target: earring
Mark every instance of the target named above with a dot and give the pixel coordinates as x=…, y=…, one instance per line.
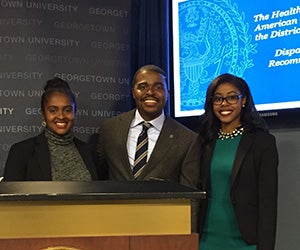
x=44, y=124
x=243, y=106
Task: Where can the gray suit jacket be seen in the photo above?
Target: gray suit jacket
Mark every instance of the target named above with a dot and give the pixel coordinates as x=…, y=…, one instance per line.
x=175, y=157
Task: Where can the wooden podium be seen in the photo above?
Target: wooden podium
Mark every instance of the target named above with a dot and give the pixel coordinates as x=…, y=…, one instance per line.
x=96, y=215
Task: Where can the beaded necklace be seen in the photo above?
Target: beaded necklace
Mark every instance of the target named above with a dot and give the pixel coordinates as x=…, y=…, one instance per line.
x=224, y=136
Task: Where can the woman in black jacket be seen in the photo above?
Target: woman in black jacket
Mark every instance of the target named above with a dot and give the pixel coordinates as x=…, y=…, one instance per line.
x=238, y=171
x=55, y=154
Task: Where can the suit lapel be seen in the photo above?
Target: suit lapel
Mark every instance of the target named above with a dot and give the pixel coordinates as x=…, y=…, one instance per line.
x=166, y=138
x=207, y=152
x=43, y=156
x=243, y=148
x=122, y=134
x=83, y=153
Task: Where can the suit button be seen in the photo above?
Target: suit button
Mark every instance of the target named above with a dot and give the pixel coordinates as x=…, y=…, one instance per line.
x=233, y=202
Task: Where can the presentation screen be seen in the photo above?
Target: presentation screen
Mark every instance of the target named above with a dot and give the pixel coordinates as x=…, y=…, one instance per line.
x=256, y=40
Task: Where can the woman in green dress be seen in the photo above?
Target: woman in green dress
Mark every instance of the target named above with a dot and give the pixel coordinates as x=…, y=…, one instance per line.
x=238, y=171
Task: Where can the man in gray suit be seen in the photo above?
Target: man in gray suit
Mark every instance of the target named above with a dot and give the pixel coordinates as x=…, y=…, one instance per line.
x=173, y=149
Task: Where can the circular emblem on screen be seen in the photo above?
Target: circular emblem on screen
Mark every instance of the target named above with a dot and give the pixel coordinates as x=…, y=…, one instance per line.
x=60, y=248
x=213, y=39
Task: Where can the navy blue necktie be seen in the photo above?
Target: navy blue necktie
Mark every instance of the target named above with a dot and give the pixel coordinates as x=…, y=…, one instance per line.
x=140, y=158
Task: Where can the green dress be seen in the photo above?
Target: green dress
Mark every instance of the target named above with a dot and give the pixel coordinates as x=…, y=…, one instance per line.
x=221, y=230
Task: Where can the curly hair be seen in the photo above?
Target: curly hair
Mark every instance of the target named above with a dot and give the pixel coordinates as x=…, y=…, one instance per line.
x=250, y=118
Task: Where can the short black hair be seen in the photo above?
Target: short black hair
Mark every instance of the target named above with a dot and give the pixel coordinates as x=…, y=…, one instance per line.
x=151, y=68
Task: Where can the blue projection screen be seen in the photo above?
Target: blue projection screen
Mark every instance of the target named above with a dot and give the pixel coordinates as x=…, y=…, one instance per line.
x=256, y=40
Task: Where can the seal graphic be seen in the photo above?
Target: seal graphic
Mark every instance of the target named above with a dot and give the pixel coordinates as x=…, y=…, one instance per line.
x=213, y=39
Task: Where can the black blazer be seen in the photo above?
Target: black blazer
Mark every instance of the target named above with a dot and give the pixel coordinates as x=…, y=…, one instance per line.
x=29, y=160
x=253, y=187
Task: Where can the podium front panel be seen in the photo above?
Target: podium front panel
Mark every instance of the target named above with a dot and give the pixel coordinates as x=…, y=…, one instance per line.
x=157, y=242
x=71, y=243
x=58, y=218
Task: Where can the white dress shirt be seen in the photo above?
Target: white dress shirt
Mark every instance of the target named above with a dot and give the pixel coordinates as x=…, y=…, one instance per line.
x=136, y=128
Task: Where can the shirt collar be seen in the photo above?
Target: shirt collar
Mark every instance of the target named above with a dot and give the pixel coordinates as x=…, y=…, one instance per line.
x=157, y=123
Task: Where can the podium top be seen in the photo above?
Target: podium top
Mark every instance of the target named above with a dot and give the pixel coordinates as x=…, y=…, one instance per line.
x=96, y=190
